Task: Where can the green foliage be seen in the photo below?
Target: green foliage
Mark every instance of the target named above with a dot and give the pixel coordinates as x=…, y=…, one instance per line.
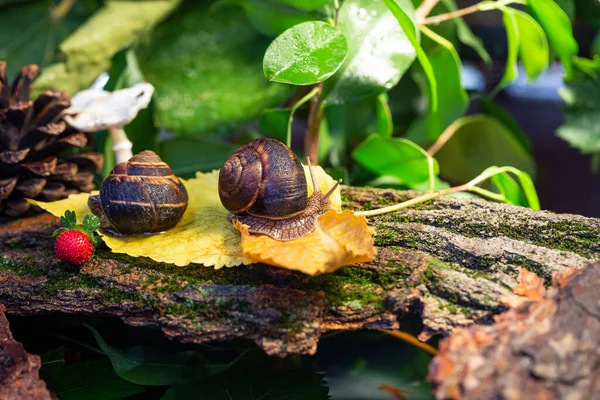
x=379, y=51
x=558, y=28
x=396, y=157
x=93, y=379
x=409, y=27
x=31, y=34
x=452, y=97
x=206, y=65
x=582, y=120
x=370, y=105
x=479, y=142
x=305, y=54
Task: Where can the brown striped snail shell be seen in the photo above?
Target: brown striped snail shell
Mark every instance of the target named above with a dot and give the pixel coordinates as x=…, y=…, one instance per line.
x=141, y=195
x=263, y=184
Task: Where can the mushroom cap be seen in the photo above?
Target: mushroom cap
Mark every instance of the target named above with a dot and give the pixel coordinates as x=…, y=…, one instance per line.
x=95, y=110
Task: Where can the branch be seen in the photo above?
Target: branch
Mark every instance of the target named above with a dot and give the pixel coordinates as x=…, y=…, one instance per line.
x=449, y=261
x=424, y=9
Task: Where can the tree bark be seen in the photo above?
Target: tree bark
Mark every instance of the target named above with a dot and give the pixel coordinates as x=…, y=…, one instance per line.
x=449, y=260
x=545, y=349
x=19, y=371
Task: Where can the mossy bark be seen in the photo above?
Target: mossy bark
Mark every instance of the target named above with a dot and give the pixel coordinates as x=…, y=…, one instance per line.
x=448, y=260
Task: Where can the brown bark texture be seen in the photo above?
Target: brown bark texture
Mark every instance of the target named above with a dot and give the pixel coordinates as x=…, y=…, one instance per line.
x=19, y=371
x=539, y=349
x=449, y=261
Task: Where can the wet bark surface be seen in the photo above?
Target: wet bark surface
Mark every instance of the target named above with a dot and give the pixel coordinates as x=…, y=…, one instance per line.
x=448, y=261
x=19, y=371
x=544, y=349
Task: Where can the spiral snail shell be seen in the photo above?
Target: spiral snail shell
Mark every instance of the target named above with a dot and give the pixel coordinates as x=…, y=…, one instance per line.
x=141, y=195
x=263, y=184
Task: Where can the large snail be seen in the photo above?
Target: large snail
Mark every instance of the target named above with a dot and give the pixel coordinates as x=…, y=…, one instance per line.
x=263, y=184
x=141, y=195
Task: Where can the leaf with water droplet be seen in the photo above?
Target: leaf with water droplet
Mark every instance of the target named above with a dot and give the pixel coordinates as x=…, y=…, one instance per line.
x=379, y=51
x=305, y=54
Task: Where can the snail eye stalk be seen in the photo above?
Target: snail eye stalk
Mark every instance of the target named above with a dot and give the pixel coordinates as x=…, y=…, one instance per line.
x=312, y=176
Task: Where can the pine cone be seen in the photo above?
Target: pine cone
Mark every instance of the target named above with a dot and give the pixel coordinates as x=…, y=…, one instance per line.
x=40, y=156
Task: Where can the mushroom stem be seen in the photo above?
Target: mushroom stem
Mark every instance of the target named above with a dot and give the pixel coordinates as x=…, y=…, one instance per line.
x=121, y=144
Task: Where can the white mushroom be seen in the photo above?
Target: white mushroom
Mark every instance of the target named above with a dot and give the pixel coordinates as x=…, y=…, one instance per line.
x=94, y=110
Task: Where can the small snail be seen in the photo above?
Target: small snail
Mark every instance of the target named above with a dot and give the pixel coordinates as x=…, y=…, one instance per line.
x=141, y=195
x=263, y=184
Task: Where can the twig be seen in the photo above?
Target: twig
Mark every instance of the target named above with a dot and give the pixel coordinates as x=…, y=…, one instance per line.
x=465, y=187
x=445, y=136
x=412, y=340
x=424, y=9
x=451, y=15
x=483, y=6
x=315, y=115
x=62, y=9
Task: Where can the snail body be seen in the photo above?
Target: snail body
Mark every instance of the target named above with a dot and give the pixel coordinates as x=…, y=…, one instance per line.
x=264, y=186
x=141, y=195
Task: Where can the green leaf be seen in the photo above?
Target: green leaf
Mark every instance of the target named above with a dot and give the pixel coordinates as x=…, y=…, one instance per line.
x=510, y=189
x=141, y=367
x=273, y=122
x=185, y=156
x=397, y=157
x=69, y=220
x=90, y=49
x=453, y=99
x=581, y=128
x=507, y=187
x=273, y=18
x=568, y=6
x=305, y=54
x=409, y=27
x=385, y=126
x=91, y=223
x=379, y=51
x=493, y=109
x=533, y=45
x=465, y=35
x=30, y=35
x=279, y=121
x=205, y=67
x=478, y=142
x=512, y=40
x=304, y=4
x=558, y=28
x=90, y=380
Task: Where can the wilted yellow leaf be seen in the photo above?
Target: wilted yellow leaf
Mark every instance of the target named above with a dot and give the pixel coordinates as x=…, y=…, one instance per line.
x=339, y=238
x=204, y=235
x=75, y=202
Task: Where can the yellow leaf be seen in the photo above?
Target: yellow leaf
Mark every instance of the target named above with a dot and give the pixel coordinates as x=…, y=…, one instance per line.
x=204, y=235
x=339, y=238
x=75, y=202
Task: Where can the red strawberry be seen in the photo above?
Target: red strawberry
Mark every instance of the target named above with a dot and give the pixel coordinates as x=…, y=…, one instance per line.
x=73, y=247
x=75, y=243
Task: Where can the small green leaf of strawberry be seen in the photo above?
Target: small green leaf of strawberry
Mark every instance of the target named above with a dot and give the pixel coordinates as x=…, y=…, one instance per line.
x=91, y=223
x=69, y=220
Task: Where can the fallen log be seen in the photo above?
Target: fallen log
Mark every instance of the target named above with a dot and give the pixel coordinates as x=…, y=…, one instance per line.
x=449, y=260
x=19, y=371
x=539, y=349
